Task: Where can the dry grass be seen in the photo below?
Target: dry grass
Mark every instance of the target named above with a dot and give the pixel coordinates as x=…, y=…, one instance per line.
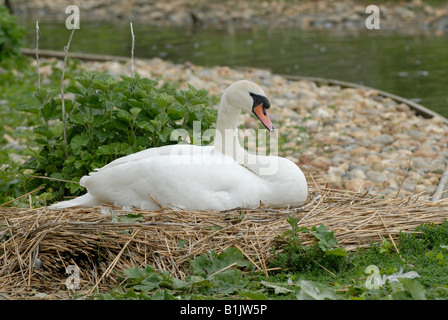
x=102, y=247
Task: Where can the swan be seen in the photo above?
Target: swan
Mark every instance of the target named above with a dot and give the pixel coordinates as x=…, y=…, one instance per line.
x=217, y=177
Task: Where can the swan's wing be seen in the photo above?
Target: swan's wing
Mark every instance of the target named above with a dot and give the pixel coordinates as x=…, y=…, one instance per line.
x=154, y=152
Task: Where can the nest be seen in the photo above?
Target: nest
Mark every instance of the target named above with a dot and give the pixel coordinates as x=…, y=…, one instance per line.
x=37, y=245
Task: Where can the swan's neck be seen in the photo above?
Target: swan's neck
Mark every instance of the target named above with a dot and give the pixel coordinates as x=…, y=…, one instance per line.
x=227, y=142
x=226, y=137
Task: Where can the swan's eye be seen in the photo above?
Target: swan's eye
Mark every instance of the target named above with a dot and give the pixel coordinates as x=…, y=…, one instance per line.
x=260, y=99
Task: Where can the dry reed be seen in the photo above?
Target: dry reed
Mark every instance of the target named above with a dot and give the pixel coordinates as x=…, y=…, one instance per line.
x=102, y=247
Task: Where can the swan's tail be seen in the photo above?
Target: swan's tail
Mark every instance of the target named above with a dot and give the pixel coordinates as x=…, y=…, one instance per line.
x=84, y=201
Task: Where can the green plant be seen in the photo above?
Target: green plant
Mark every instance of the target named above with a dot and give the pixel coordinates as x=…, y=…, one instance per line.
x=107, y=118
x=211, y=274
x=324, y=253
x=18, y=86
x=11, y=35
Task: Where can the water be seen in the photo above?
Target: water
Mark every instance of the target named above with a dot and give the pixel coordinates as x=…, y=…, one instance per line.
x=412, y=66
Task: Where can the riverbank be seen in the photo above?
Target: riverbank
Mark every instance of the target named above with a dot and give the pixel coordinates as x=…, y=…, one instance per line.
x=349, y=138
x=406, y=16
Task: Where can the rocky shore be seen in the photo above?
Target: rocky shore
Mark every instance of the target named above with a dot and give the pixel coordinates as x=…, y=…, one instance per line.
x=349, y=138
x=406, y=16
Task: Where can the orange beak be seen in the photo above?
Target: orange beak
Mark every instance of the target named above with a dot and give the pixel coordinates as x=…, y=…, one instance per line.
x=263, y=115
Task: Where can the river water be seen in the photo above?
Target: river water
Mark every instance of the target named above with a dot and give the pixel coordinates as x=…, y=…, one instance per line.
x=412, y=66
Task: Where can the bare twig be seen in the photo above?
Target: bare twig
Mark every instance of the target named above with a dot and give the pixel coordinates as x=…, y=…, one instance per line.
x=442, y=184
x=54, y=179
x=132, y=52
x=390, y=236
x=404, y=177
x=37, y=54
x=155, y=200
x=223, y=269
x=66, y=48
x=259, y=269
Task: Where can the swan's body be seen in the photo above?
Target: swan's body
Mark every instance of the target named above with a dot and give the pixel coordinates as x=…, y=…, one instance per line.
x=218, y=177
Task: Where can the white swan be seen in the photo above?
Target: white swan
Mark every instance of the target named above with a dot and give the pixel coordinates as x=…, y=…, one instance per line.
x=218, y=177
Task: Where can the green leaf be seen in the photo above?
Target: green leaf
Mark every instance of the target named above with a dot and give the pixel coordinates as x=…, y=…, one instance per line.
x=181, y=98
x=336, y=252
x=123, y=114
x=99, y=120
x=162, y=294
x=43, y=95
x=157, y=125
x=150, y=283
x=131, y=218
x=76, y=90
x=327, y=241
x=162, y=100
x=146, y=125
x=115, y=149
x=79, y=141
x=43, y=130
x=253, y=295
x=135, y=111
x=86, y=80
x=135, y=103
x=165, y=134
x=415, y=288
x=77, y=118
x=100, y=85
x=310, y=290
x=151, y=107
x=206, y=266
x=162, y=118
x=138, y=273
x=176, y=112
x=277, y=289
x=49, y=110
x=27, y=108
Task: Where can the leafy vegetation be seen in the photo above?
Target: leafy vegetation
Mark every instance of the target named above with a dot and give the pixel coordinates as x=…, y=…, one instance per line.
x=211, y=275
x=11, y=36
x=17, y=86
x=299, y=258
x=107, y=118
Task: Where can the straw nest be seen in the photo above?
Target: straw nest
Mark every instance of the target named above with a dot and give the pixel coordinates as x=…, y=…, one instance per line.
x=37, y=245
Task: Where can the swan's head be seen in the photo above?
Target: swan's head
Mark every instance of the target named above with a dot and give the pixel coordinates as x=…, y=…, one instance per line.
x=247, y=95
